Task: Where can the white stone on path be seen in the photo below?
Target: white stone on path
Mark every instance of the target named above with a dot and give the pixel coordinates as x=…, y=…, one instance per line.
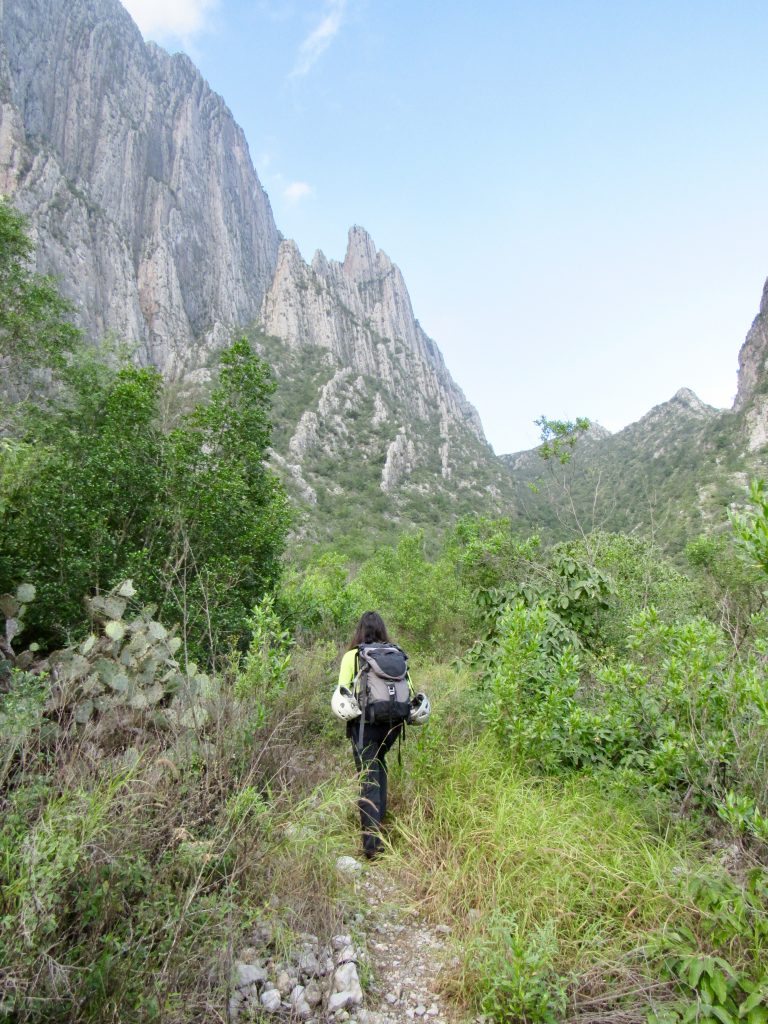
x=345, y=979
x=340, y=1000
x=346, y=954
x=249, y=974
x=271, y=1000
x=297, y=994
x=348, y=866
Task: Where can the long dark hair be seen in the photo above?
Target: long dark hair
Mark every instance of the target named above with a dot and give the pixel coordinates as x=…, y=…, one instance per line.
x=370, y=630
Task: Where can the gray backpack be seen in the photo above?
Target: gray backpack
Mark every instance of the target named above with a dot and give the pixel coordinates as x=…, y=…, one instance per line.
x=382, y=685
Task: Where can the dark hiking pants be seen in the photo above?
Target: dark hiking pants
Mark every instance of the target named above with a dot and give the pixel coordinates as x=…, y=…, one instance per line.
x=372, y=767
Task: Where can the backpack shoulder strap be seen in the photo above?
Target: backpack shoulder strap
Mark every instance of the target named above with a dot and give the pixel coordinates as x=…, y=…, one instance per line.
x=360, y=691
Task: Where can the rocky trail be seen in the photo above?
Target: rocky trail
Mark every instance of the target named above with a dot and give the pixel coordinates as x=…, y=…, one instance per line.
x=385, y=971
x=406, y=955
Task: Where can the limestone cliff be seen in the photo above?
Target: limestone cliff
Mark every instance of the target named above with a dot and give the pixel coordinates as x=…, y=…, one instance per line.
x=752, y=395
x=137, y=181
x=361, y=312
x=370, y=428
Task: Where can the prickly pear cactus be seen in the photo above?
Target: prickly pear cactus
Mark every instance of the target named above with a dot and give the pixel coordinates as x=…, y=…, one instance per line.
x=128, y=662
x=12, y=608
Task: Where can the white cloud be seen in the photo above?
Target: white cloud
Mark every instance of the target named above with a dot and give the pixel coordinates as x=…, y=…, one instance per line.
x=320, y=38
x=160, y=19
x=296, y=191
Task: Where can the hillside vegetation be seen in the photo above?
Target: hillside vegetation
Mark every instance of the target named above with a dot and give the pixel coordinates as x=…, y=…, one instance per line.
x=669, y=477
x=586, y=810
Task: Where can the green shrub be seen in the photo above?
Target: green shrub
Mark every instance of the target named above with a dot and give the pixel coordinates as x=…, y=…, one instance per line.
x=263, y=672
x=717, y=962
x=194, y=516
x=683, y=710
x=420, y=600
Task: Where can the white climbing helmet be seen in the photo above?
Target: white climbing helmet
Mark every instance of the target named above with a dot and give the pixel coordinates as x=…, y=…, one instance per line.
x=344, y=705
x=420, y=709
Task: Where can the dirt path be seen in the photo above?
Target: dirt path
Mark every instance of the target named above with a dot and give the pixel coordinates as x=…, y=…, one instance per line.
x=406, y=955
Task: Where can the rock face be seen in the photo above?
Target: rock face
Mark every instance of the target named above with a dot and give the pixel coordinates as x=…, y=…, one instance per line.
x=381, y=391
x=753, y=357
x=360, y=311
x=137, y=181
x=752, y=395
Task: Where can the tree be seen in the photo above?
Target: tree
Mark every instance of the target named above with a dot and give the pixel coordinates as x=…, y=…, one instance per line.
x=751, y=527
x=228, y=515
x=558, y=442
x=195, y=517
x=559, y=437
x=84, y=500
x=35, y=331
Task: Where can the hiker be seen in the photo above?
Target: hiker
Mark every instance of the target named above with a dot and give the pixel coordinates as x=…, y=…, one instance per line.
x=375, y=698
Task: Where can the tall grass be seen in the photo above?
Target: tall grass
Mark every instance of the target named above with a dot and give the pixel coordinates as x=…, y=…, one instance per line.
x=553, y=887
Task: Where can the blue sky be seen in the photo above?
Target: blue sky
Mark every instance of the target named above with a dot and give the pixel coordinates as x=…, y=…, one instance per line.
x=574, y=190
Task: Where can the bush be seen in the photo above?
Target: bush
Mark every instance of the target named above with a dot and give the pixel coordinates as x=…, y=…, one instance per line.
x=194, y=517
x=420, y=600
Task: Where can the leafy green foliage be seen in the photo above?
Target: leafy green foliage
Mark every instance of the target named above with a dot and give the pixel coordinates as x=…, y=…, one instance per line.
x=263, y=672
x=35, y=331
x=533, y=681
x=316, y=600
x=681, y=710
x=21, y=715
x=559, y=437
x=520, y=980
x=86, y=501
x=751, y=527
x=639, y=576
x=573, y=590
x=194, y=517
x=419, y=599
x=718, y=964
x=226, y=515
x=733, y=588
x=487, y=552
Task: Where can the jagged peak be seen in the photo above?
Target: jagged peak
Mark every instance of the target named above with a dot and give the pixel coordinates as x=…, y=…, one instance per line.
x=363, y=261
x=764, y=299
x=691, y=401
x=596, y=431
x=289, y=252
x=684, y=402
x=320, y=263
